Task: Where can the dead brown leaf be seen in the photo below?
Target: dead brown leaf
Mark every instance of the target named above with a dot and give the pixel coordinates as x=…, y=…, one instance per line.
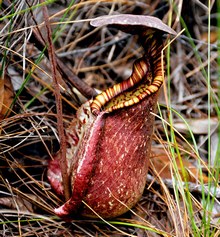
x=160, y=163
x=6, y=96
x=197, y=126
x=17, y=203
x=213, y=36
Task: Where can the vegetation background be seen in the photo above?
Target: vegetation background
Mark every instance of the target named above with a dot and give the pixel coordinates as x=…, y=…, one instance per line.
x=182, y=193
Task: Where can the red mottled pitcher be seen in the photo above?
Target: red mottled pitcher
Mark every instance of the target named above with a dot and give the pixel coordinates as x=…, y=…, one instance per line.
x=109, y=140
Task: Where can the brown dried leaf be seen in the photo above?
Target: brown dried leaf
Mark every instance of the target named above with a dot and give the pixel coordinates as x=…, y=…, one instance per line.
x=6, y=96
x=213, y=36
x=17, y=203
x=198, y=126
x=160, y=163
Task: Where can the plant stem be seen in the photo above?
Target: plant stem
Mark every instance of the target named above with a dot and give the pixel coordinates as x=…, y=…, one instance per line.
x=56, y=80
